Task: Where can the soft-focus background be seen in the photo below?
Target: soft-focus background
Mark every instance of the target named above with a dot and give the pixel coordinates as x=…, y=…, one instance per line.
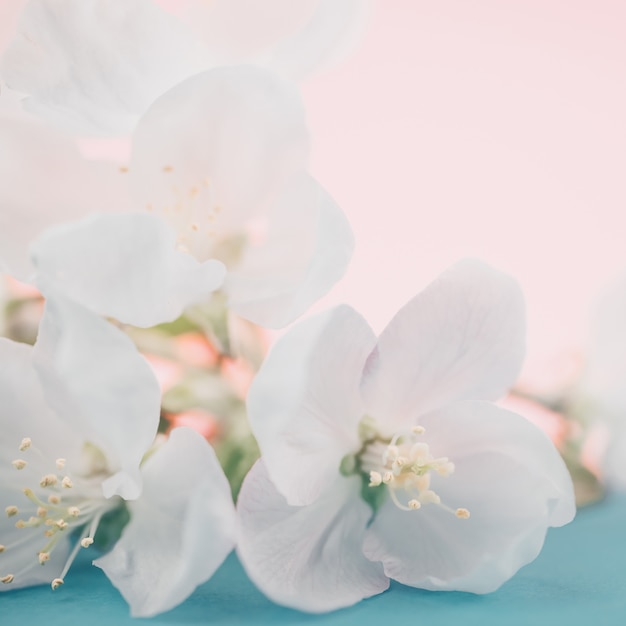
x=488, y=128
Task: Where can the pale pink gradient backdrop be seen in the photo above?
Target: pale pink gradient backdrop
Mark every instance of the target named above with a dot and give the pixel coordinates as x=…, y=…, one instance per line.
x=489, y=128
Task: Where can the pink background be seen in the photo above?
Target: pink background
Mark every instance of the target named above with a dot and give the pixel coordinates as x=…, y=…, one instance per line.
x=487, y=128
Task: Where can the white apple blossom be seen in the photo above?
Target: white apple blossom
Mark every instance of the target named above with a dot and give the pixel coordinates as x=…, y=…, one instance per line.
x=216, y=195
x=79, y=420
x=383, y=459
x=97, y=65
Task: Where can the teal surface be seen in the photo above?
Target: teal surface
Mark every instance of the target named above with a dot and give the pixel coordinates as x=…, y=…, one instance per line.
x=579, y=579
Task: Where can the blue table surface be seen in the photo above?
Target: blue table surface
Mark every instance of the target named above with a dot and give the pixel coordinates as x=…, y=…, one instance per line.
x=579, y=578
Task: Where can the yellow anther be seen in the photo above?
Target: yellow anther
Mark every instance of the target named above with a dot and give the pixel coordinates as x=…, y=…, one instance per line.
x=194, y=227
x=73, y=511
x=60, y=463
x=56, y=583
x=49, y=480
x=418, y=430
x=54, y=499
x=167, y=169
x=61, y=524
x=123, y=169
x=414, y=505
x=42, y=512
x=11, y=511
x=2, y=548
x=19, y=464
x=86, y=542
x=44, y=557
x=67, y=482
x=375, y=479
x=462, y=513
x=387, y=477
x=26, y=443
x=7, y=579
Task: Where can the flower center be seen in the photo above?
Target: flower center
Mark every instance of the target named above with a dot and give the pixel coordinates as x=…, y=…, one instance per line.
x=56, y=506
x=403, y=466
x=196, y=214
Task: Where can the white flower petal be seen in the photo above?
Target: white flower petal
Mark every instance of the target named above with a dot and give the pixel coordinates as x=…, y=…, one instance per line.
x=239, y=31
x=181, y=528
x=292, y=38
x=216, y=150
x=25, y=412
x=462, y=338
x=44, y=181
x=124, y=266
x=309, y=557
x=304, y=404
x=304, y=253
x=96, y=65
x=511, y=479
x=101, y=386
x=332, y=32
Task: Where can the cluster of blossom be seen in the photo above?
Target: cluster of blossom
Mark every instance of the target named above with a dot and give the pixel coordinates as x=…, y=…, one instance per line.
x=381, y=457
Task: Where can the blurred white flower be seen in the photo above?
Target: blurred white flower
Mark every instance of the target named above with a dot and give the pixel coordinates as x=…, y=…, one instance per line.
x=382, y=459
x=95, y=66
x=598, y=400
x=217, y=189
x=79, y=419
